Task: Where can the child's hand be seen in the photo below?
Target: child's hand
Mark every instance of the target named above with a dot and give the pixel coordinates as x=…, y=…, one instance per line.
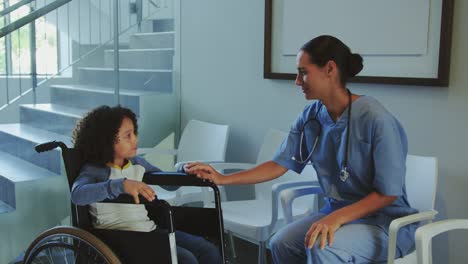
x=134, y=188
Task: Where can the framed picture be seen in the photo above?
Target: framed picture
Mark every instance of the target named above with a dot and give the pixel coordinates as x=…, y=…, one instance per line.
x=402, y=42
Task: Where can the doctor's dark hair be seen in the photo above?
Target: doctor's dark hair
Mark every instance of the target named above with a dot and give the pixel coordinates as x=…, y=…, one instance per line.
x=328, y=48
x=96, y=133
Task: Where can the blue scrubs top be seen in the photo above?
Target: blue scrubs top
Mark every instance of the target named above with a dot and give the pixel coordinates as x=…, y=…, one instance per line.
x=376, y=160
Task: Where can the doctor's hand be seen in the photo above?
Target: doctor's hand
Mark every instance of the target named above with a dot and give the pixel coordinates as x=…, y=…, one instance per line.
x=323, y=230
x=204, y=171
x=134, y=188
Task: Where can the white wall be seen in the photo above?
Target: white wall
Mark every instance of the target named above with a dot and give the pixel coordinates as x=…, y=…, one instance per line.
x=222, y=69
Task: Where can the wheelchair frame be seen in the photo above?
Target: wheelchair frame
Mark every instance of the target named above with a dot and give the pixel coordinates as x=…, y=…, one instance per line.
x=183, y=218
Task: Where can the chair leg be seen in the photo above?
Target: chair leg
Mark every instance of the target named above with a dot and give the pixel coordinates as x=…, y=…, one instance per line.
x=262, y=253
x=232, y=245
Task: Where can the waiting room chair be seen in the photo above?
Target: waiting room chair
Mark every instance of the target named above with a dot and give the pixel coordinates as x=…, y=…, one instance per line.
x=424, y=235
x=421, y=186
x=200, y=141
x=264, y=214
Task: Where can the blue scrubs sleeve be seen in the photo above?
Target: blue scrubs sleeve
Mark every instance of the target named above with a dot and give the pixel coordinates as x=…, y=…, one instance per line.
x=390, y=150
x=290, y=146
x=288, y=149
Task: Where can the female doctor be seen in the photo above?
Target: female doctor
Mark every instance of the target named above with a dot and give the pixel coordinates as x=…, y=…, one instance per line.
x=358, y=150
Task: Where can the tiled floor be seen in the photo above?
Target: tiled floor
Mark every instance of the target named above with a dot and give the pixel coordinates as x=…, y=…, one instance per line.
x=247, y=253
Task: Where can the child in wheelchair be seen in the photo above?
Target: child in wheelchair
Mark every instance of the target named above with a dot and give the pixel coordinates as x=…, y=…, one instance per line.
x=108, y=139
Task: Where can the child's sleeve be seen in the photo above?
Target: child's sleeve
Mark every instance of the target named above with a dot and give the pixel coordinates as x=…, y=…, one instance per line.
x=151, y=168
x=148, y=166
x=93, y=185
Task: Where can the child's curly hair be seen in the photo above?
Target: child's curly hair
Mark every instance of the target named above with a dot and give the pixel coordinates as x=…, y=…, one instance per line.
x=95, y=134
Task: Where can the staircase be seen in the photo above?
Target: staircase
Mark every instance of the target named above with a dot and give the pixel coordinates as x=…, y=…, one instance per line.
x=31, y=183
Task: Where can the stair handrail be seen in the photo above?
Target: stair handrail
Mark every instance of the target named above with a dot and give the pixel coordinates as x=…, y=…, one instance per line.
x=14, y=7
x=81, y=57
x=31, y=17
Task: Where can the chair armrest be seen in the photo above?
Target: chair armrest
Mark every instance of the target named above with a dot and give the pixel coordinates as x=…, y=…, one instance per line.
x=232, y=166
x=276, y=189
x=424, y=235
x=398, y=223
x=288, y=196
x=143, y=151
x=433, y=229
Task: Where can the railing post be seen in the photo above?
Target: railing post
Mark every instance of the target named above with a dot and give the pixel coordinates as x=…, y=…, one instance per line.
x=116, y=53
x=139, y=13
x=8, y=59
x=32, y=46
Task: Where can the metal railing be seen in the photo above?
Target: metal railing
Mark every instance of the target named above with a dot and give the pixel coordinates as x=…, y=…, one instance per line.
x=30, y=17
x=69, y=24
x=14, y=7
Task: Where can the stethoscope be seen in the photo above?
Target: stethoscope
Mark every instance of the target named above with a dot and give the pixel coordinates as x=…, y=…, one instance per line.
x=344, y=173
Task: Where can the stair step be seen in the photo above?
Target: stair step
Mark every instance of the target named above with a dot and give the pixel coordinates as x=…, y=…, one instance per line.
x=19, y=140
x=156, y=40
x=5, y=208
x=142, y=58
x=101, y=89
x=36, y=200
x=88, y=96
x=32, y=134
x=158, y=25
x=131, y=79
x=13, y=171
x=18, y=170
x=52, y=117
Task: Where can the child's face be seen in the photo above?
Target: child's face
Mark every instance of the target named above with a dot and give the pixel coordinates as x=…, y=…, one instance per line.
x=126, y=145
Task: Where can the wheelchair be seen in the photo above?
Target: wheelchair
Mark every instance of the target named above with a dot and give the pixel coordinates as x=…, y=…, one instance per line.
x=82, y=243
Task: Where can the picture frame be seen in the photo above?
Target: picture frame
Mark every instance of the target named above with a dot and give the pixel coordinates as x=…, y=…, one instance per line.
x=436, y=56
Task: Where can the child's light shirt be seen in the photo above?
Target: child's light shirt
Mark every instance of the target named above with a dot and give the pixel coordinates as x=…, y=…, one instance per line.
x=129, y=217
x=97, y=183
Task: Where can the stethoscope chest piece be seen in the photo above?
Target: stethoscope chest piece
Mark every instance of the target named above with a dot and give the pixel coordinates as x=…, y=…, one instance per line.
x=344, y=174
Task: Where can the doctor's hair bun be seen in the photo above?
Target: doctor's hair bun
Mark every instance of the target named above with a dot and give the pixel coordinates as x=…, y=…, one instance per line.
x=354, y=64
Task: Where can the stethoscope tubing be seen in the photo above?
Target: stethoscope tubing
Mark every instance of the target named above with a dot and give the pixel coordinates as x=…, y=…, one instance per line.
x=344, y=174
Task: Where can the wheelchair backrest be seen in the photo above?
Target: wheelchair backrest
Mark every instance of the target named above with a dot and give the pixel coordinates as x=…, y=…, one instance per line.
x=73, y=160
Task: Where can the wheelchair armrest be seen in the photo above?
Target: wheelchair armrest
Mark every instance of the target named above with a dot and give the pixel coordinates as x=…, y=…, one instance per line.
x=179, y=166
x=128, y=199
x=181, y=179
x=175, y=179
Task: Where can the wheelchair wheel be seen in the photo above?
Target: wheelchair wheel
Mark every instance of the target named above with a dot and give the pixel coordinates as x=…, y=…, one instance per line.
x=68, y=245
